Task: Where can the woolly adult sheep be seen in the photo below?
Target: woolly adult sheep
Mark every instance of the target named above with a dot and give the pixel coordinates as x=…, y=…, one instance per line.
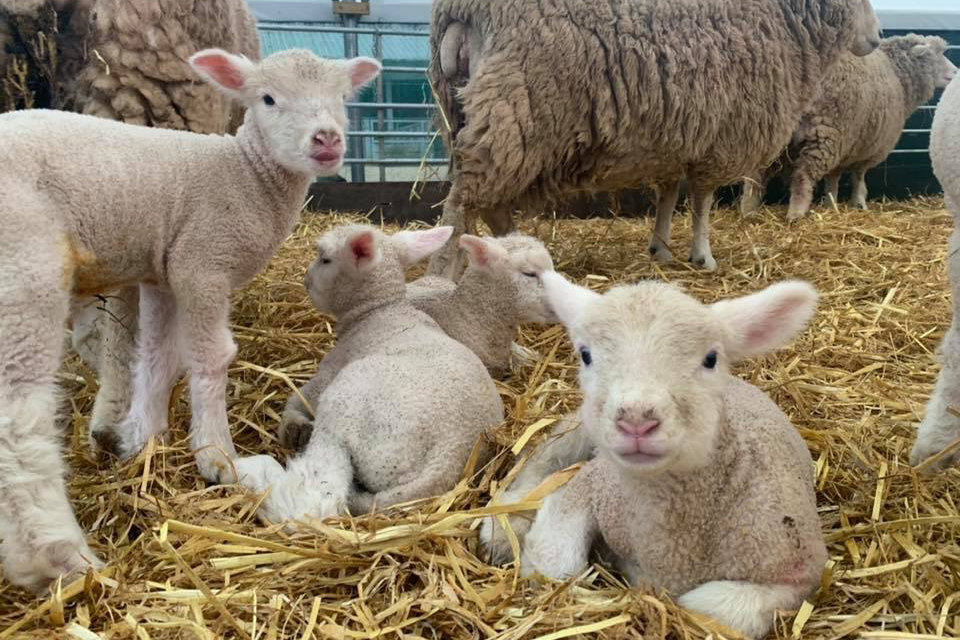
x=399, y=404
x=856, y=122
x=941, y=426
x=543, y=99
x=699, y=484
x=88, y=204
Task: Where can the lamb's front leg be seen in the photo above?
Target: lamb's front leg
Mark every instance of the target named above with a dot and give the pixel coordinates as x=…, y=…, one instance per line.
x=558, y=543
x=743, y=606
x=157, y=369
x=208, y=349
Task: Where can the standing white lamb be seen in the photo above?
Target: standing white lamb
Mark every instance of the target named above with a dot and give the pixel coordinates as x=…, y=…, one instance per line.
x=698, y=483
x=941, y=426
x=857, y=120
x=549, y=98
x=400, y=405
x=87, y=205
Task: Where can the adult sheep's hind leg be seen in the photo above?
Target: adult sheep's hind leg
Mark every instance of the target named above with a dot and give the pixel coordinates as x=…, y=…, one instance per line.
x=667, y=196
x=831, y=192
x=702, y=204
x=448, y=262
x=858, y=192
x=801, y=194
x=41, y=538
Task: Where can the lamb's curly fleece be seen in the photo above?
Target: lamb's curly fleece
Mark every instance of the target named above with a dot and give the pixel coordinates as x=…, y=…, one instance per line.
x=547, y=98
x=940, y=427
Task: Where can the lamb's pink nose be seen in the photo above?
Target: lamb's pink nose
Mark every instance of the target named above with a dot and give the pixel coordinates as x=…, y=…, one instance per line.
x=637, y=429
x=327, y=138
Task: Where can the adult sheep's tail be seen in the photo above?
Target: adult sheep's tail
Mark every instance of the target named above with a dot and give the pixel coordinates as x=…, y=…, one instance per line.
x=455, y=49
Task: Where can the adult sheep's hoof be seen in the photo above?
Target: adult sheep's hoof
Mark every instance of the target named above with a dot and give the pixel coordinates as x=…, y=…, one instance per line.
x=706, y=262
x=659, y=251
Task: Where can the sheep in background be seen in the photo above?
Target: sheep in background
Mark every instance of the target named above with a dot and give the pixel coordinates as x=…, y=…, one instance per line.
x=189, y=217
x=563, y=95
x=399, y=404
x=127, y=61
x=499, y=290
x=941, y=426
x=857, y=120
x=699, y=484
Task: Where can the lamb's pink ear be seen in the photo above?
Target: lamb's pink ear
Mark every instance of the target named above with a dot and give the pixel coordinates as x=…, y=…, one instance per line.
x=414, y=246
x=361, y=249
x=482, y=252
x=567, y=300
x=228, y=72
x=766, y=320
x=362, y=70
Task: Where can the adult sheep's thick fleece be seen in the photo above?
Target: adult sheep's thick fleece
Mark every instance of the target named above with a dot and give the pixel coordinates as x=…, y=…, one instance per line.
x=551, y=97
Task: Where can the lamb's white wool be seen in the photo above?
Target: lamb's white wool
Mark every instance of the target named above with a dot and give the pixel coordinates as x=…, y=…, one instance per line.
x=691, y=491
x=95, y=212
x=940, y=426
x=499, y=290
x=399, y=404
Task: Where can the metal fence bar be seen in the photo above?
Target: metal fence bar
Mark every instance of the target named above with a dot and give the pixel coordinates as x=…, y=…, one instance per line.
x=396, y=161
x=391, y=105
x=394, y=134
x=381, y=116
x=319, y=28
x=416, y=70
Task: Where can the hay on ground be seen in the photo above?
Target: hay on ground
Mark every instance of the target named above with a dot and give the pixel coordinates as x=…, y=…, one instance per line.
x=187, y=560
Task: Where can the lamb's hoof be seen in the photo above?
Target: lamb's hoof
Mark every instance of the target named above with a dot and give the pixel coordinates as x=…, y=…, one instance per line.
x=660, y=252
x=216, y=464
x=707, y=263
x=494, y=541
x=105, y=442
x=295, y=434
x=37, y=569
x=921, y=453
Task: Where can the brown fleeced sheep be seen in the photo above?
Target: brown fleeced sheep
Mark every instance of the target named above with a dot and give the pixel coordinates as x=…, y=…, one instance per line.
x=857, y=120
x=548, y=98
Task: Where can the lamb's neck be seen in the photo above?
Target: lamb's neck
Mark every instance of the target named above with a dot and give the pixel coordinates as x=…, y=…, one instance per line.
x=372, y=311
x=284, y=190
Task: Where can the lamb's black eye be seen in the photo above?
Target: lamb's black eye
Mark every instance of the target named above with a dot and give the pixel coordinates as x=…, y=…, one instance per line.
x=710, y=360
x=268, y=100
x=325, y=260
x=530, y=274
x=585, y=356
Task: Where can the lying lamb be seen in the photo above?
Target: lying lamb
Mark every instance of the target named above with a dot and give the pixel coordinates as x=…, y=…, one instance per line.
x=88, y=205
x=941, y=426
x=549, y=98
x=499, y=290
x=699, y=484
x=857, y=120
x=400, y=405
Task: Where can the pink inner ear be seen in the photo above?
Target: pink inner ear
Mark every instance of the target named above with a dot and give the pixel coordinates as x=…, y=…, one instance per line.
x=477, y=249
x=362, y=247
x=362, y=71
x=221, y=69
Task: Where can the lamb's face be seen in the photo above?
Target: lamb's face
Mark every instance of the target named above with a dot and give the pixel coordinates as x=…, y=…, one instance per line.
x=866, y=29
x=300, y=107
x=296, y=99
x=654, y=363
x=652, y=371
x=528, y=261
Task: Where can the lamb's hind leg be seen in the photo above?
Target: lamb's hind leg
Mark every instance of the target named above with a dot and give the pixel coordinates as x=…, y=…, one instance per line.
x=743, y=606
x=104, y=336
x=157, y=369
x=41, y=537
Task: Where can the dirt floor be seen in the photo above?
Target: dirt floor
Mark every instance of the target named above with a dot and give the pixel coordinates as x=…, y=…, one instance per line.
x=187, y=560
